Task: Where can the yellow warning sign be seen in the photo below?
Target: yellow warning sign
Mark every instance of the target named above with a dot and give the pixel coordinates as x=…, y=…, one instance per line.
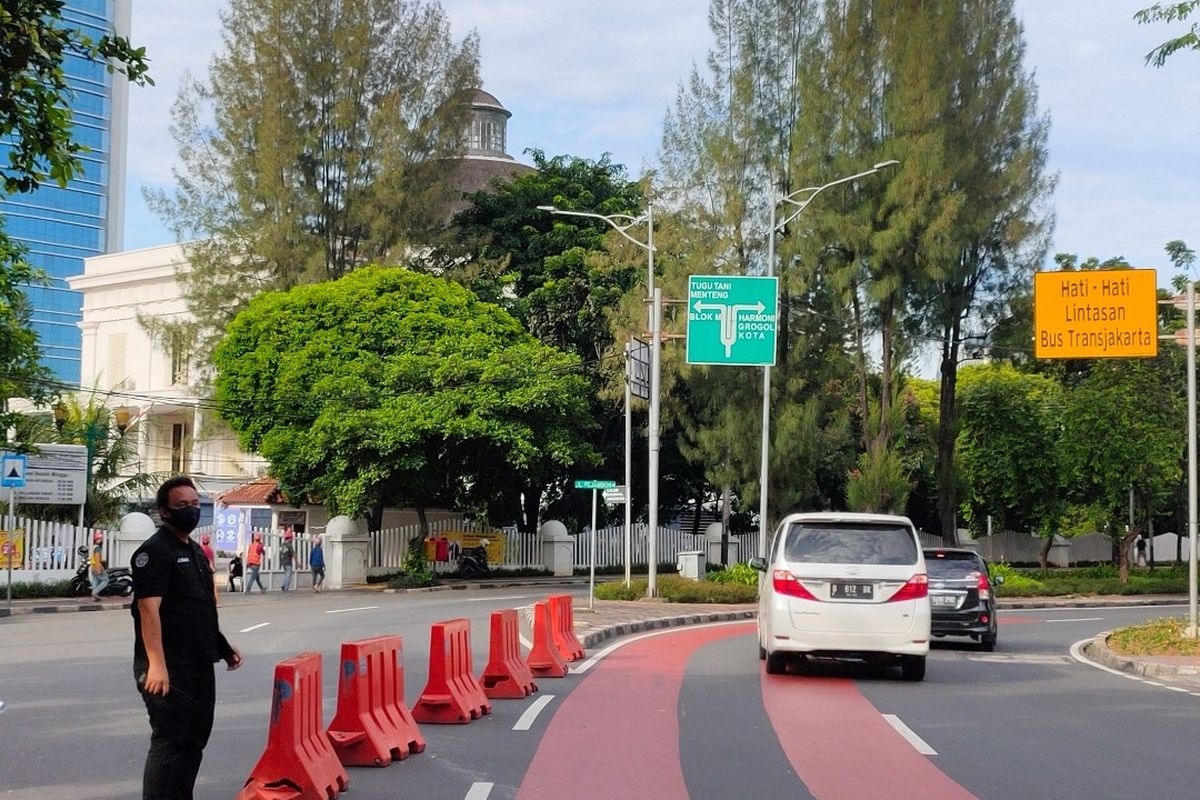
x=1096, y=314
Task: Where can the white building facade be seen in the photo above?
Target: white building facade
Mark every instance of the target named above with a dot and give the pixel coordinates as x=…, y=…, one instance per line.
x=154, y=382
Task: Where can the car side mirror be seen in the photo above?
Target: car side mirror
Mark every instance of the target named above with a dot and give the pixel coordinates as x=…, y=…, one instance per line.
x=759, y=564
x=999, y=579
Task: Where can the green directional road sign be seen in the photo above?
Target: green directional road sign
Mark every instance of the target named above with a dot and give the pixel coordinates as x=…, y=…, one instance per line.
x=732, y=320
x=587, y=484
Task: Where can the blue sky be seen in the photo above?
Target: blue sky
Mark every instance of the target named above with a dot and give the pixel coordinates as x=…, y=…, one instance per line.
x=584, y=78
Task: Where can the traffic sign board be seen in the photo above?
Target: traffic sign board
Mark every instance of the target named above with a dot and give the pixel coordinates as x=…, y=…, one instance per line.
x=55, y=475
x=12, y=471
x=1095, y=314
x=615, y=495
x=592, y=484
x=732, y=320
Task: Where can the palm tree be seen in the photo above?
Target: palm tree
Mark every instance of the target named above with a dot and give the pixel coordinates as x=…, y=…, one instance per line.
x=111, y=437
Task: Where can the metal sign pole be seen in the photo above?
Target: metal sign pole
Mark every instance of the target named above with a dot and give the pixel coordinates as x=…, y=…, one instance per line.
x=592, y=558
x=628, y=461
x=1191, y=387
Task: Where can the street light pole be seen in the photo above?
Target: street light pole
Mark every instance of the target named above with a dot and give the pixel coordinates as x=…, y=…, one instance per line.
x=1191, y=414
x=800, y=200
x=621, y=223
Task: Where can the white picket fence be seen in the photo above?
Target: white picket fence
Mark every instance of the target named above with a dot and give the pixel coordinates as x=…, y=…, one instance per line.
x=51, y=549
x=610, y=545
x=389, y=547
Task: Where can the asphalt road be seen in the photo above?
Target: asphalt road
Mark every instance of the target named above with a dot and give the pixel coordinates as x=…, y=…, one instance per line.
x=681, y=713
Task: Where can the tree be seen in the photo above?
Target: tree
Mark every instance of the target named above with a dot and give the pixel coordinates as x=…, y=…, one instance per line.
x=333, y=127
x=1124, y=432
x=1171, y=12
x=113, y=449
x=390, y=387
x=35, y=123
x=1009, y=450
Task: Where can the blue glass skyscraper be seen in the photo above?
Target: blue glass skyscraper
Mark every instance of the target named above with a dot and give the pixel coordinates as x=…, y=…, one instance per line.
x=61, y=226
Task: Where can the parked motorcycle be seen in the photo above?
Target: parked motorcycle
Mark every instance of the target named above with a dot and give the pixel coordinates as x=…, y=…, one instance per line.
x=120, y=579
x=473, y=563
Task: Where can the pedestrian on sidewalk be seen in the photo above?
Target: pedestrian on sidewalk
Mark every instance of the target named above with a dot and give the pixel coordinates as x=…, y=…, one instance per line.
x=316, y=562
x=235, y=572
x=1141, y=551
x=287, y=559
x=254, y=557
x=177, y=640
x=97, y=569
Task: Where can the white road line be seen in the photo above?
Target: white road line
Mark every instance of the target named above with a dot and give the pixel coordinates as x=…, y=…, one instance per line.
x=254, y=627
x=488, y=599
x=1178, y=689
x=1077, y=654
x=1077, y=619
x=527, y=719
x=479, y=791
x=1057, y=610
x=916, y=741
x=344, y=610
x=594, y=660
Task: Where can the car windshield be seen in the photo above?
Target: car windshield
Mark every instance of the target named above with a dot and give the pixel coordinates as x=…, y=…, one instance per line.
x=850, y=543
x=952, y=566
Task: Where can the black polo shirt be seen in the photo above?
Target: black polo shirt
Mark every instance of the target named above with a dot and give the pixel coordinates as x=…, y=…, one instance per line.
x=178, y=572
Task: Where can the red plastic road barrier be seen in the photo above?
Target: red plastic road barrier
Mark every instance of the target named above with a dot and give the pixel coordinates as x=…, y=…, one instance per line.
x=544, y=660
x=298, y=763
x=506, y=674
x=562, y=626
x=372, y=725
x=452, y=695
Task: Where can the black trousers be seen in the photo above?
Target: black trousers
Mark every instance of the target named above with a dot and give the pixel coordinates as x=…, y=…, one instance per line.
x=180, y=724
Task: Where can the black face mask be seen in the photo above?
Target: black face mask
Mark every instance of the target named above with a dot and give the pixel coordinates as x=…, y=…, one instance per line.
x=183, y=519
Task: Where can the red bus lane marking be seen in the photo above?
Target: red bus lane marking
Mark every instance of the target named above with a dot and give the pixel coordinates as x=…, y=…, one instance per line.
x=624, y=713
x=842, y=747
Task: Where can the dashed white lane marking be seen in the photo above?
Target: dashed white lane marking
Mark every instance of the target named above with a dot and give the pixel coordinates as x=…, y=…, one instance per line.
x=530, y=716
x=254, y=627
x=479, y=791
x=917, y=742
x=1077, y=619
x=489, y=599
x=344, y=610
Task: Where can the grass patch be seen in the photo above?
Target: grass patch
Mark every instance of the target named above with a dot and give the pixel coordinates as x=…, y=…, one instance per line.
x=1088, y=581
x=674, y=589
x=1160, y=637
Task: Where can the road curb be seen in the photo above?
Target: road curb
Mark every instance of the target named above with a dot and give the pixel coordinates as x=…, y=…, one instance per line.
x=64, y=608
x=593, y=638
x=1097, y=650
x=1084, y=602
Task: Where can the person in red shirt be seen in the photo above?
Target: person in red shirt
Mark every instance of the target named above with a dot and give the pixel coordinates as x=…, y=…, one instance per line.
x=254, y=557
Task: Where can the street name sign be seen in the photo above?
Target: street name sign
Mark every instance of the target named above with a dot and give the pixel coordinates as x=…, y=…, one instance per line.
x=12, y=471
x=55, y=475
x=1095, y=314
x=732, y=320
x=582, y=483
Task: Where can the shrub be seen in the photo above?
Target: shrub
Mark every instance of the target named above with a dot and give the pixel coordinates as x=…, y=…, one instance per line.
x=674, y=589
x=736, y=573
x=29, y=590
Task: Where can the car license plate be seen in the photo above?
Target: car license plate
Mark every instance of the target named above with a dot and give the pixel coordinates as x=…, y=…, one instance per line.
x=943, y=600
x=852, y=591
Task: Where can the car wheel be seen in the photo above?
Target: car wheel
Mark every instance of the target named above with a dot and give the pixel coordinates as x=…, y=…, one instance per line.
x=912, y=668
x=776, y=663
x=762, y=653
x=988, y=642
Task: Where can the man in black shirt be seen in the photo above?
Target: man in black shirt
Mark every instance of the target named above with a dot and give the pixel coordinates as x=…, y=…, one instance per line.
x=176, y=642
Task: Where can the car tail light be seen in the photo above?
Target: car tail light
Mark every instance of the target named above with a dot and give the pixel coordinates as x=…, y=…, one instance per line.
x=916, y=588
x=985, y=587
x=786, y=583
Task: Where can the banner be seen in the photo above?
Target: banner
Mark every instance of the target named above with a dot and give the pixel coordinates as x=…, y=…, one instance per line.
x=228, y=525
x=12, y=549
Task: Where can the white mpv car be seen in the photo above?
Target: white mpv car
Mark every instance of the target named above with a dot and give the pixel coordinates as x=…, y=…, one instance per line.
x=844, y=586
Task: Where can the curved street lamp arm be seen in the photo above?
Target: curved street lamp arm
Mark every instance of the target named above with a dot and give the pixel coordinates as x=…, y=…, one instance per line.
x=611, y=220
x=802, y=204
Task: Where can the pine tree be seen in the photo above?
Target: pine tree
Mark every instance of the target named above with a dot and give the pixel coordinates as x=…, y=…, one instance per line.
x=321, y=140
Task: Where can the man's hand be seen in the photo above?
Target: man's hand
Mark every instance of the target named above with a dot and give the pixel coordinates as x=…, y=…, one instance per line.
x=157, y=681
x=234, y=661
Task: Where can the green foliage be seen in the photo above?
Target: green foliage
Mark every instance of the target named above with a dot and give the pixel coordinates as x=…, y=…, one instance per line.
x=1160, y=637
x=1099, y=580
x=21, y=371
x=334, y=127
x=880, y=484
x=741, y=573
x=32, y=590
x=674, y=589
x=1008, y=449
x=1171, y=12
x=392, y=387
x=35, y=118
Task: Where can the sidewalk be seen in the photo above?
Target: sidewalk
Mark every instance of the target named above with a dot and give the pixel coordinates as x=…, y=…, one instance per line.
x=612, y=618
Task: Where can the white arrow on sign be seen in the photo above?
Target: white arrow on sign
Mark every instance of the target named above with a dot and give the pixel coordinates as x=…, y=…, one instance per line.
x=728, y=315
x=12, y=472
